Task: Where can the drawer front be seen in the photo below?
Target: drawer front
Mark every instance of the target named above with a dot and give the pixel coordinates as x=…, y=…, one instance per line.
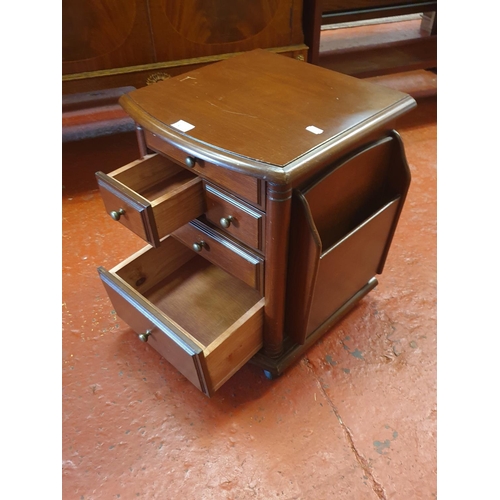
x=152, y=197
x=249, y=188
x=178, y=351
x=201, y=319
x=127, y=207
x=236, y=218
x=222, y=252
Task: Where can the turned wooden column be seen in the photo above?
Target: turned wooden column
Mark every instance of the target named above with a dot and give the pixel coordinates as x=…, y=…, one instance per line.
x=141, y=141
x=277, y=229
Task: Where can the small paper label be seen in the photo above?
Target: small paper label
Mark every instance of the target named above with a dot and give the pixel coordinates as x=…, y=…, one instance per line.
x=314, y=130
x=182, y=126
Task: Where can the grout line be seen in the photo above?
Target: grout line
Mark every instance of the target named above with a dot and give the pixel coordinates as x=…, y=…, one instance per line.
x=376, y=486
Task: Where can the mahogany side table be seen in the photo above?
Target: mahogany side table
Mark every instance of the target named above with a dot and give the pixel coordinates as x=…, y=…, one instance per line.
x=268, y=192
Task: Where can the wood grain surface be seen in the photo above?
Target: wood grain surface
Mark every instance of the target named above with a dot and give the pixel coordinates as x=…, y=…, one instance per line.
x=259, y=105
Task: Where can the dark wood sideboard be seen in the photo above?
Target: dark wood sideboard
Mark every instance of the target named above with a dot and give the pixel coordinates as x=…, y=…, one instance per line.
x=268, y=192
x=109, y=43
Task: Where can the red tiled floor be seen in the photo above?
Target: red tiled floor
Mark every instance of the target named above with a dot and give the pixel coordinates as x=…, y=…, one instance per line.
x=353, y=419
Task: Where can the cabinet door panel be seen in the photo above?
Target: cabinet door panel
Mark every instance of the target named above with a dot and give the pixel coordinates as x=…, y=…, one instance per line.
x=198, y=28
x=211, y=22
x=103, y=34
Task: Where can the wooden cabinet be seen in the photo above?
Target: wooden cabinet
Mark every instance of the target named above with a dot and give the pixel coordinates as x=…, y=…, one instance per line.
x=108, y=44
x=269, y=191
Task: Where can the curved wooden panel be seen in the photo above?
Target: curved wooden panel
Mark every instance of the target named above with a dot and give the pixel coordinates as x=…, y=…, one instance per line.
x=93, y=28
x=199, y=28
x=208, y=22
x=102, y=34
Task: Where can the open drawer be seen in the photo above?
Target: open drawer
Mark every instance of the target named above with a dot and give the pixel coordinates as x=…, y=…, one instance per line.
x=204, y=321
x=152, y=197
x=341, y=233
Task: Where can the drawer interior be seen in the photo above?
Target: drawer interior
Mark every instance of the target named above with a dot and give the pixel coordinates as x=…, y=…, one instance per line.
x=204, y=321
x=152, y=197
x=199, y=297
x=153, y=178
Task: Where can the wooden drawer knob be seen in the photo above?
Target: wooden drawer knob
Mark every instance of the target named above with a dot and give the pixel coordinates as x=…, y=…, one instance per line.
x=116, y=214
x=226, y=221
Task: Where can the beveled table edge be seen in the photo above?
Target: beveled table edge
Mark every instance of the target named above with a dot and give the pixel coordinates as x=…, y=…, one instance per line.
x=305, y=165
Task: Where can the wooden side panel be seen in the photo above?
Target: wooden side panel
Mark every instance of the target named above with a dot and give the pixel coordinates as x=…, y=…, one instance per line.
x=399, y=183
x=312, y=28
x=142, y=175
x=179, y=207
x=149, y=266
x=231, y=351
x=346, y=267
x=341, y=232
x=353, y=191
x=305, y=251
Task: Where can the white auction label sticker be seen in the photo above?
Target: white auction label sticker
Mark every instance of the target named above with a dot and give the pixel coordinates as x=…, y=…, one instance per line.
x=182, y=126
x=314, y=130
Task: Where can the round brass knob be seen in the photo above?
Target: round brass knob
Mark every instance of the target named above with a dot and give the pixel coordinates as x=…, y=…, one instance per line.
x=116, y=214
x=143, y=337
x=226, y=221
x=198, y=246
x=190, y=161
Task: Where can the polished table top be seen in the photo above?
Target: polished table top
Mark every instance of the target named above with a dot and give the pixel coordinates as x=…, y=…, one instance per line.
x=265, y=109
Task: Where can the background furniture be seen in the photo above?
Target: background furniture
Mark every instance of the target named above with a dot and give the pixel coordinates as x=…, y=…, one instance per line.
x=107, y=48
x=419, y=53
x=269, y=191
x=109, y=44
